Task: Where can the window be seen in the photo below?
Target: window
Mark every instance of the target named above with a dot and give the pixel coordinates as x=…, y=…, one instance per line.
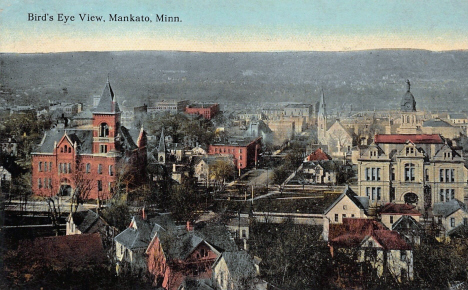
x=103, y=148
x=409, y=172
x=99, y=185
x=441, y=196
x=69, y=149
x=88, y=167
x=39, y=183
x=336, y=217
x=244, y=233
x=103, y=130
x=352, y=215
x=50, y=166
x=40, y=166
x=402, y=255
x=427, y=174
x=69, y=168
x=111, y=170
x=391, y=219
x=99, y=168
x=452, y=222
x=65, y=148
x=345, y=207
x=343, y=216
x=45, y=166
x=372, y=173
x=441, y=175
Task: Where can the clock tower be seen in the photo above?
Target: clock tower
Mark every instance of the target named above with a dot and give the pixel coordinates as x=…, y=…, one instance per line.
x=410, y=119
x=408, y=104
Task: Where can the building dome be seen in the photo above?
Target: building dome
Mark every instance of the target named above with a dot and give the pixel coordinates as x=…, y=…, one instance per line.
x=408, y=104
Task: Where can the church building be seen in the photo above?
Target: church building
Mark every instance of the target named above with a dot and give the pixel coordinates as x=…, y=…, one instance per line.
x=87, y=159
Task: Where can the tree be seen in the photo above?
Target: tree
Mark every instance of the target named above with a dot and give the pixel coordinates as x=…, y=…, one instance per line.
x=220, y=171
x=83, y=185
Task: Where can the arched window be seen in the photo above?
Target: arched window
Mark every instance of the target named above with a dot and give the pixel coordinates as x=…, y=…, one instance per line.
x=99, y=169
x=103, y=130
x=40, y=166
x=69, y=149
x=88, y=167
x=111, y=170
x=66, y=149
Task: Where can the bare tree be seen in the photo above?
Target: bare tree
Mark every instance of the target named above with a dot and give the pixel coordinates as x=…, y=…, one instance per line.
x=83, y=183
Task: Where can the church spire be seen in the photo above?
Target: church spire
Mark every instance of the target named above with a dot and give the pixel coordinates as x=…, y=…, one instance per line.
x=162, y=143
x=322, y=106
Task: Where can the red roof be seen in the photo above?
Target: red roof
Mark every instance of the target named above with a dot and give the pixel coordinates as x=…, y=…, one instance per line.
x=64, y=251
x=403, y=209
x=390, y=240
x=318, y=155
x=353, y=231
x=402, y=138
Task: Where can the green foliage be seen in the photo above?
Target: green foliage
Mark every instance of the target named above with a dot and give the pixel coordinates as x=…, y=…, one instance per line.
x=293, y=257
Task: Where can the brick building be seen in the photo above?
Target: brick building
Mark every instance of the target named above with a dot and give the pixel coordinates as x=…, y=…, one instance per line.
x=207, y=111
x=67, y=159
x=245, y=152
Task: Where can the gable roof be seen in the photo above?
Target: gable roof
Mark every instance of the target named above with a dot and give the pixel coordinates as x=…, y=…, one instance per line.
x=402, y=138
x=360, y=202
x=317, y=155
x=405, y=223
x=445, y=209
x=238, y=263
x=136, y=236
x=178, y=243
x=84, y=220
x=389, y=240
x=352, y=231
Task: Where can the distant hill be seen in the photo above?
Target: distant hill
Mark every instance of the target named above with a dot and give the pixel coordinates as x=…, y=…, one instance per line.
x=363, y=79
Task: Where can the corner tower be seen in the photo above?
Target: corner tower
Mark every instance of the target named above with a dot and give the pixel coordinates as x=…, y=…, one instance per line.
x=106, y=122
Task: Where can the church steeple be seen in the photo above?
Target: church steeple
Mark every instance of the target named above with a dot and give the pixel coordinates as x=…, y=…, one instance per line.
x=162, y=148
x=322, y=120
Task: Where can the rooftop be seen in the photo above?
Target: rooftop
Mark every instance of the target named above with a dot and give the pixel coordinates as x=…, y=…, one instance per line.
x=402, y=138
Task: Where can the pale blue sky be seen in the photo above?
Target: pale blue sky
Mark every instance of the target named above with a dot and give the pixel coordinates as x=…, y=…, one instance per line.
x=238, y=25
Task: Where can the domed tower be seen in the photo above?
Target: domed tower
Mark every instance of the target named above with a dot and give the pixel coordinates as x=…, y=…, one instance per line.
x=410, y=119
x=408, y=104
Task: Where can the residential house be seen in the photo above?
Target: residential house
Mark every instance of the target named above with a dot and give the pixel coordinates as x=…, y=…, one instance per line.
x=204, y=167
x=5, y=179
x=392, y=212
x=410, y=229
x=236, y=270
x=176, y=254
x=368, y=243
x=318, y=155
x=130, y=246
x=347, y=205
x=450, y=215
x=319, y=172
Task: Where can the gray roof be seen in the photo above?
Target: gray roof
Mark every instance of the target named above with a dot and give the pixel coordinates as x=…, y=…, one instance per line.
x=135, y=238
x=436, y=123
x=361, y=202
x=457, y=116
x=107, y=102
x=179, y=243
x=239, y=264
x=447, y=208
x=84, y=220
x=83, y=138
x=87, y=114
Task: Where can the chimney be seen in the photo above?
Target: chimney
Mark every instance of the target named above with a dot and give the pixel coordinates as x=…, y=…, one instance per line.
x=143, y=214
x=189, y=226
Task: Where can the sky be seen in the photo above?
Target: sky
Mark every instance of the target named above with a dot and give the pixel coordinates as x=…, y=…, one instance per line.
x=231, y=26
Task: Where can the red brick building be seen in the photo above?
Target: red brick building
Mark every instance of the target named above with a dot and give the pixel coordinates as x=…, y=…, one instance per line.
x=207, y=111
x=245, y=152
x=70, y=159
